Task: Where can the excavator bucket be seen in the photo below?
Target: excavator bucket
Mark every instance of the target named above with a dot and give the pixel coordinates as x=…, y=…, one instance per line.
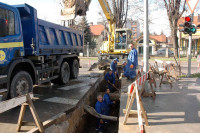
x=72, y=8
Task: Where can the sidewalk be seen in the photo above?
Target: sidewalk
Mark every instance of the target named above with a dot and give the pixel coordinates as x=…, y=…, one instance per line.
x=175, y=110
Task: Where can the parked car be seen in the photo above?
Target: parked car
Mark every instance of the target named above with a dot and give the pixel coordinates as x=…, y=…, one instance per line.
x=162, y=51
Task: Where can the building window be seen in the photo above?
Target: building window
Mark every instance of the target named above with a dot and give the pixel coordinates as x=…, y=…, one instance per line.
x=8, y=16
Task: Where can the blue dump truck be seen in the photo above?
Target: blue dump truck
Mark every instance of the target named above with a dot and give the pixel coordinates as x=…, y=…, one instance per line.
x=34, y=51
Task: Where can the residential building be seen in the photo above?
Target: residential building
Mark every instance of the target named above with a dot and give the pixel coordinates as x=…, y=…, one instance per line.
x=97, y=32
x=155, y=42
x=134, y=25
x=184, y=38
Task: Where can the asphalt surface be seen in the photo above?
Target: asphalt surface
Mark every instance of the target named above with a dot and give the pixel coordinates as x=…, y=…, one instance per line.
x=52, y=100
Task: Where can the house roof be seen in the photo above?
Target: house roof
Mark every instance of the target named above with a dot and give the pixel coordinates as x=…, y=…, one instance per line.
x=157, y=38
x=96, y=29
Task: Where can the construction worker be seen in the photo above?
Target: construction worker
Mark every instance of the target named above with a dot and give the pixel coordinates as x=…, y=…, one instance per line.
x=110, y=78
x=100, y=108
x=107, y=101
x=122, y=39
x=132, y=61
x=125, y=69
x=113, y=67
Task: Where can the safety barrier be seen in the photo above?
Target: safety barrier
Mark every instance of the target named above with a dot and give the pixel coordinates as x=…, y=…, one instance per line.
x=24, y=100
x=135, y=91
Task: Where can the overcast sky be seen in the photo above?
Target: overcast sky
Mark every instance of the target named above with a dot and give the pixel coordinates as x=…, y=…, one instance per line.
x=50, y=11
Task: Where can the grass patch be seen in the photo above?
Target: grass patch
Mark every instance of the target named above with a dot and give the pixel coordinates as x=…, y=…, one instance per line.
x=194, y=75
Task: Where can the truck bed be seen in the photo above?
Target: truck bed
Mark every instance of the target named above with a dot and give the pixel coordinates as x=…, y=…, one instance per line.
x=55, y=39
x=48, y=38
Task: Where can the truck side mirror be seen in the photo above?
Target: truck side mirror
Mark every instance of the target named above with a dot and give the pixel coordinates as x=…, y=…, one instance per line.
x=3, y=27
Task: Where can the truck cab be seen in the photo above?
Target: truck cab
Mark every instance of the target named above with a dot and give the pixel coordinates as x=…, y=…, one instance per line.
x=11, y=37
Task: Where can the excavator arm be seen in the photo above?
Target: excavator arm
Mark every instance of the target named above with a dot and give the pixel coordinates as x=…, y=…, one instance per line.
x=73, y=8
x=80, y=7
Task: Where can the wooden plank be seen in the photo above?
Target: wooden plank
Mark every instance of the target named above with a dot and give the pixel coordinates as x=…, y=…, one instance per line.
x=152, y=91
x=131, y=111
x=21, y=116
x=128, y=100
x=34, y=113
x=12, y=103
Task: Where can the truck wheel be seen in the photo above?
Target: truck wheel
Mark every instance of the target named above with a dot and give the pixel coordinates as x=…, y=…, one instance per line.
x=21, y=84
x=65, y=73
x=74, y=69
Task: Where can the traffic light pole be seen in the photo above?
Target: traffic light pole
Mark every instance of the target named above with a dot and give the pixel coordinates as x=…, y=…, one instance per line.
x=189, y=51
x=189, y=55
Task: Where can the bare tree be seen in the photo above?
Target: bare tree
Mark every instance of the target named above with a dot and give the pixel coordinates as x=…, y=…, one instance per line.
x=175, y=9
x=120, y=10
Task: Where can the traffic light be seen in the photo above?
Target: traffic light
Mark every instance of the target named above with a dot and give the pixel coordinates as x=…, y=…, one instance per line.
x=193, y=29
x=187, y=25
x=189, y=28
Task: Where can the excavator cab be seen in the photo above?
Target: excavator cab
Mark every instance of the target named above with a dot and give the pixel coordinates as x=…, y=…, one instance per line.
x=122, y=39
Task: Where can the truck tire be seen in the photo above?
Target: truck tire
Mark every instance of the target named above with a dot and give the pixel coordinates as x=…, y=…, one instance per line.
x=74, y=69
x=21, y=84
x=64, y=73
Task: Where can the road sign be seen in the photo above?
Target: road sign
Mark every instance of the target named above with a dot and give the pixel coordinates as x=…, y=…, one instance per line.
x=192, y=4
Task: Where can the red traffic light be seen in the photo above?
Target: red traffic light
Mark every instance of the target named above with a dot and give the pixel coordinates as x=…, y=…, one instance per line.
x=188, y=19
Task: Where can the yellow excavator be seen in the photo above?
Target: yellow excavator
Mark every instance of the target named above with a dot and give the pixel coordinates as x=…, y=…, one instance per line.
x=118, y=39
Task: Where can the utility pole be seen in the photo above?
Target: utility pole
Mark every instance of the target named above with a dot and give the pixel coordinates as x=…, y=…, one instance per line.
x=189, y=50
x=146, y=37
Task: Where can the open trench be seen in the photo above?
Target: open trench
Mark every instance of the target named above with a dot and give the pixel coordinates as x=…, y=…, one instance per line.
x=77, y=120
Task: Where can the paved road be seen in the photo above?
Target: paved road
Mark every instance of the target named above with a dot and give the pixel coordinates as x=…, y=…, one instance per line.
x=50, y=101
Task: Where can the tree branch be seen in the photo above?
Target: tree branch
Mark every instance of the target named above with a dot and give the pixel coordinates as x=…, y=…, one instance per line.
x=183, y=9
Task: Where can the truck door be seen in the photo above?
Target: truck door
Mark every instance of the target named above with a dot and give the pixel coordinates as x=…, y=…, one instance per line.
x=11, y=41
